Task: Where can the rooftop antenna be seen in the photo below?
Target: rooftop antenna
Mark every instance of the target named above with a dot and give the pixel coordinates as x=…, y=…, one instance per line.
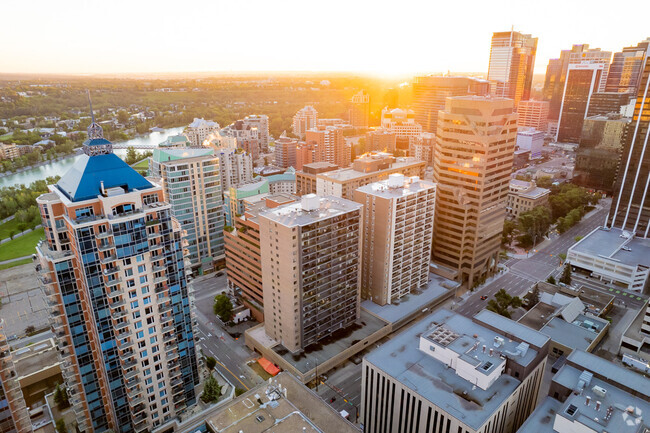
x=94, y=130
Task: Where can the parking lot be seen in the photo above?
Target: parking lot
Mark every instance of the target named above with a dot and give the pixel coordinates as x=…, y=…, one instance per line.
x=23, y=300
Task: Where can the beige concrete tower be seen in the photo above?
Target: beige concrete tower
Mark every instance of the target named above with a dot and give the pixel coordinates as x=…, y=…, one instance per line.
x=311, y=269
x=398, y=229
x=473, y=160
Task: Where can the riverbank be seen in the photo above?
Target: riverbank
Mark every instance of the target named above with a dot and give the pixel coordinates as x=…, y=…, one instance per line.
x=42, y=163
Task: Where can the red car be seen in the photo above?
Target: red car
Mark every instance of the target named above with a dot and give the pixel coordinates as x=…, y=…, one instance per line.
x=483, y=298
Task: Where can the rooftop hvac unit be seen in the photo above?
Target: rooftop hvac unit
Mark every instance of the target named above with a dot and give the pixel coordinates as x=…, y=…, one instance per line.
x=310, y=202
x=599, y=391
x=395, y=180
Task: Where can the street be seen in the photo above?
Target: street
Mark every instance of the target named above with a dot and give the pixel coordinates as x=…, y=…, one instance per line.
x=342, y=389
x=523, y=273
x=231, y=355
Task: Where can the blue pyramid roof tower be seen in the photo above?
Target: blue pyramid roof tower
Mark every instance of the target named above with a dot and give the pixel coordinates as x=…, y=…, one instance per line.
x=99, y=169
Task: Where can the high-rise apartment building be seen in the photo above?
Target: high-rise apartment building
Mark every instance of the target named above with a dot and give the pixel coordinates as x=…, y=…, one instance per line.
x=14, y=417
x=305, y=119
x=430, y=92
x=311, y=262
x=305, y=154
x=380, y=140
x=236, y=167
x=261, y=123
x=473, y=160
x=603, y=103
x=360, y=110
x=247, y=136
x=397, y=235
x=626, y=68
x=191, y=181
x=285, y=152
x=558, y=68
x=630, y=211
x=200, y=130
x=329, y=145
x=533, y=114
x=243, y=254
x=366, y=169
x=512, y=59
x=449, y=373
x=113, y=270
x=581, y=83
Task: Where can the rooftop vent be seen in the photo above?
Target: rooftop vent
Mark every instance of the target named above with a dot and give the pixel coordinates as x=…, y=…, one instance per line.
x=310, y=202
x=395, y=180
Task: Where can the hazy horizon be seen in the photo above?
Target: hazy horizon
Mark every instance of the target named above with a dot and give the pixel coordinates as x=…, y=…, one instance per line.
x=77, y=37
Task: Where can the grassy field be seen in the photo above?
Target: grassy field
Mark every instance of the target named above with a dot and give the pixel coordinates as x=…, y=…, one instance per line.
x=142, y=165
x=8, y=227
x=16, y=263
x=21, y=246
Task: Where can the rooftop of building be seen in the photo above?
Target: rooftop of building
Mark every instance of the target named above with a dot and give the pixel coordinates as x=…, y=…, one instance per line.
x=298, y=214
x=579, y=334
x=615, y=244
x=85, y=178
x=634, y=332
x=627, y=411
x=166, y=155
x=328, y=348
x=397, y=186
x=402, y=359
x=510, y=327
x=202, y=123
x=283, y=406
x=348, y=174
x=35, y=357
x=531, y=133
x=413, y=303
x=520, y=184
x=318, y=167
x=534, y=193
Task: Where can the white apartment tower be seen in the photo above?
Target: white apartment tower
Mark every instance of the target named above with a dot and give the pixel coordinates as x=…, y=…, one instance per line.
x=305, y=119
x=200, y=130
x=398, y=232
x=236, y=167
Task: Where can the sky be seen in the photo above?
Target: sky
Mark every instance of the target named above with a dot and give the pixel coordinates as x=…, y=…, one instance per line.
x=379, y=37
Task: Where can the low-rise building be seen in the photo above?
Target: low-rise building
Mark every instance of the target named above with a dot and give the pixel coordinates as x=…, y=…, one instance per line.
x=524, y=196
x=281, y=405
x=306, y=177
x=380, y=140
x=243, y=257
x=532, y=140
x=449, y=373
x=613, y=255
x=9, y=151
x=590, y=394
x=635, y=342
x=366, y=169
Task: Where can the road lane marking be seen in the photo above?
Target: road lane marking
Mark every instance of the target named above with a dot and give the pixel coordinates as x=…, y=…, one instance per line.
x=233, y=375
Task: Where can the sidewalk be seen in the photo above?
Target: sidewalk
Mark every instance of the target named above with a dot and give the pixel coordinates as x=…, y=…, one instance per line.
x=17, y=235
x=15, y=260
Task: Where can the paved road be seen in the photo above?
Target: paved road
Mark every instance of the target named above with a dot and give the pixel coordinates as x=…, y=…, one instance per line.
x=231, y=355
x=342, y=389
x=523, y=273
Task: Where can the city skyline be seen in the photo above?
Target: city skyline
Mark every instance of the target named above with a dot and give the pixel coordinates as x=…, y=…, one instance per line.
x=159, y=40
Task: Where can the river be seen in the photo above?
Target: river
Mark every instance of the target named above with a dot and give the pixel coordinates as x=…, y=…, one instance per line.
x=61, y=167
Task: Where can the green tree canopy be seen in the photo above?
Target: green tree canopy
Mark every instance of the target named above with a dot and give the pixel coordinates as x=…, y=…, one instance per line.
x=223, y=307
x=211, y=390
x=502, y=302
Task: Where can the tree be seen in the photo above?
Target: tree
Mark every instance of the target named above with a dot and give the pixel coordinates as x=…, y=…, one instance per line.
x=534, y=224
x=566, y=275
x=60, y=426
x=532, y=298
x=544, y=181
x=222, y=307
x=210, y=362
x=61, y=397
x=509, y=227
x=211, y=390
x=131, y=155
x=30, y=330
x=502, y=302
x=123, y=117
x=551, y=279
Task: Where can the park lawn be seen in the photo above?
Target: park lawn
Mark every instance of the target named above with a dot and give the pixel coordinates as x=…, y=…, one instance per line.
x=142, y=165
x=6, y=228
x=16, y=263
x=7, y=136
x=21, y=246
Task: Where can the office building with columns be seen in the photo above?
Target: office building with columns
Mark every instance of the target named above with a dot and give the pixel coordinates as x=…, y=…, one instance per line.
x=472, y=165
